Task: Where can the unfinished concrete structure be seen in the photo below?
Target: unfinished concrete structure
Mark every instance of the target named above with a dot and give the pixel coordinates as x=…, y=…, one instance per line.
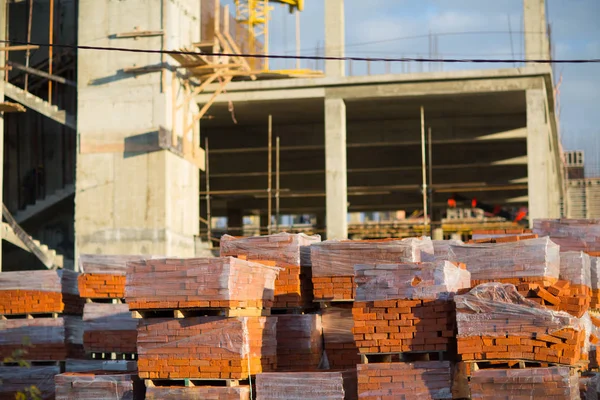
x=131, y=181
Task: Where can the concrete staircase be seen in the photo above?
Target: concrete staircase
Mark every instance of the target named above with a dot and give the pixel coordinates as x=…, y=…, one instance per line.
x=40, y=105
x=43, y=204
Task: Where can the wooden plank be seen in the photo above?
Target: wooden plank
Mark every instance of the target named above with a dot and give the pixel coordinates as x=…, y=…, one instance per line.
x=20, y=48
x=43, y=74
x=137, y=33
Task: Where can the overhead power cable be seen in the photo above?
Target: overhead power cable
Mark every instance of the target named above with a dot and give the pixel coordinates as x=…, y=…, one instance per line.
x=325, y=58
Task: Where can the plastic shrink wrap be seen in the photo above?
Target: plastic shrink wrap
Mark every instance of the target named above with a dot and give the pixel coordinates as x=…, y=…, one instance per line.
x=405, y=380
x=96, y=386
x=442, y=250
x=100, y=365
x=42, y=339
x=588, y=386
x=595, y=282
x=39, y=292
x=198, y=393
x=423, y=281
x=510, y=262
x=14, y=380
x=571, y=234
x=318, y=385
x=206, y=347
x=530, y=383
x=340, y=349
x=109, y=328
x=299, y=342
x=199, y=283
x=495, y=322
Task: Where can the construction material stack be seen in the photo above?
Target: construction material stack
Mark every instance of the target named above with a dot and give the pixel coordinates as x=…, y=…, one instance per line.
x=331, y=385
x=40, y=323
x=204, y=326
x=109, y=330
x=404, y=328
x=588, y=386
x=502, y=235
x=571, y=234
x=290, y=253
x=97, y=385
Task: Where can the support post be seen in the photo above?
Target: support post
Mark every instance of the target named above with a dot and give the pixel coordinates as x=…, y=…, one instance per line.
x=208, y=217
x=50, y=48
x=335, y=169
x=297, y=39
x=537, y=45
x=269, y=183
x=423, y=166
x=537, y=156
x=277, y=184
x=3, y=23
x=430, y=167
x=334, y=37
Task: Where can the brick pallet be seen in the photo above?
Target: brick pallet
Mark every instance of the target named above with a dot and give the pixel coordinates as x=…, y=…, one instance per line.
x=500, y=233
x=333, y=262
x=496, y=323
x=290, y=252
x=588, y=386
x=571, y=234
x=317, y=385
x=442, y=250
x=16, y=379
x=299, y=342
x=595, y=282
x=532, y=383
x=39, y=292
x=339, y=345
x=97, y=385
x=109, y=328
x=197, y=393
x=403, y=380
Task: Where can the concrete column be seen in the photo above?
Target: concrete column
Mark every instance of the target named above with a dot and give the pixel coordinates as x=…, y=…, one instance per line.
x=235, y=221
x=334, y=37
x=538, y=156
x=536, y=37
x=335, y=169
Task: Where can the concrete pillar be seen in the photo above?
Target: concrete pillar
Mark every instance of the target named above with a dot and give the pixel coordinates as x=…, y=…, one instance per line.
x=131, y=201
x=2, y=61
x=335, y=169
x=537, y=45
x=334, y=37
x=235, y=221
x=538, y=156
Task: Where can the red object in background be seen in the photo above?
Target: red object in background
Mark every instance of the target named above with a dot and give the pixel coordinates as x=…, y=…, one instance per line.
x=473, y=203
x=520, y=215
x=451, y=203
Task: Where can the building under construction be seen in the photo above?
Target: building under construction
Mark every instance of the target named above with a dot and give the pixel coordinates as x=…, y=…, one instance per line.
x=120, y=152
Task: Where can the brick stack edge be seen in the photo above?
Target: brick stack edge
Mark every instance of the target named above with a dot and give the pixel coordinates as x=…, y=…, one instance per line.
x=15, y=379
x=340, y=349
x=198, y=393
x=97, y=385
x=333, y=262
x=317, y=385
x=299, y=342
x=109, y=328
x=571, y=234
x=551, y=383
x=588, y=386
x=293, y=286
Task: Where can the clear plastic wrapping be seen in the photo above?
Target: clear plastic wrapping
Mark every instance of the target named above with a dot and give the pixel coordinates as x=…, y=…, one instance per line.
x=571, y=234
x=529, y=383
x=285, y=247
x=338, y=257
x=59, y=281
x=398, y=380
x=108, y=264
x=100, y=365
x=575, y=267
x=299, y=342
x=537, y=258
x=425, y=281
x=337, y=325
x=321, y=385
x=108, y=317
x=94, y=386
x=198, y=393
x=588, y=386
x=186, y=282
x=40, y=331
x=163, y=344
x=497, y=309
x=442, y=250
x=17, y=379
x=595, y=273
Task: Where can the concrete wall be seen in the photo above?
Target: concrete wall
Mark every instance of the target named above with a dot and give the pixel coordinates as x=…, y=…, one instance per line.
x=127, y=201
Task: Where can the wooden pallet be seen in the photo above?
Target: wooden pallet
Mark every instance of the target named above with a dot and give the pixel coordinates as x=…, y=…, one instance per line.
x=407, y=356
x=292, y=310
x=517, y=364
x=29, y=316
x=112, y=356
x=201, y=312
x=191, y=382
x=104, y=300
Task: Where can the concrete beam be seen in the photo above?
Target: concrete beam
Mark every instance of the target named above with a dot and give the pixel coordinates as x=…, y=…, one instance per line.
x=334, y=37
x=335, y=166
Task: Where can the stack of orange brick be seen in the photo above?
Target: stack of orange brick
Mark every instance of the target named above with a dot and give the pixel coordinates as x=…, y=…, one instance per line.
x=496, y=323
x=333, y=262
x=39, y=292
x=406, y=307
x=330, y=385
x=571, y=234
x=42, y=339
x=397, y=381
x=299, y=342
x=17, y=379
x=575, y=292
x=206, y=347
x=531, y=383
x=340, y=349
x=109, y=328
x=97, y=385
x=509, y=235
x=290, y=252
x=224, y=282
x=198, y=393
x=442, y=250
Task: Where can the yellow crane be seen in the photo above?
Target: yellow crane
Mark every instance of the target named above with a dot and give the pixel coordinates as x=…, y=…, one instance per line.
x=255, y=14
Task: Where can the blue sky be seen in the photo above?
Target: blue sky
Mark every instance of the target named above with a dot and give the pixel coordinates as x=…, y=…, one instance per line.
x=464, y=28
